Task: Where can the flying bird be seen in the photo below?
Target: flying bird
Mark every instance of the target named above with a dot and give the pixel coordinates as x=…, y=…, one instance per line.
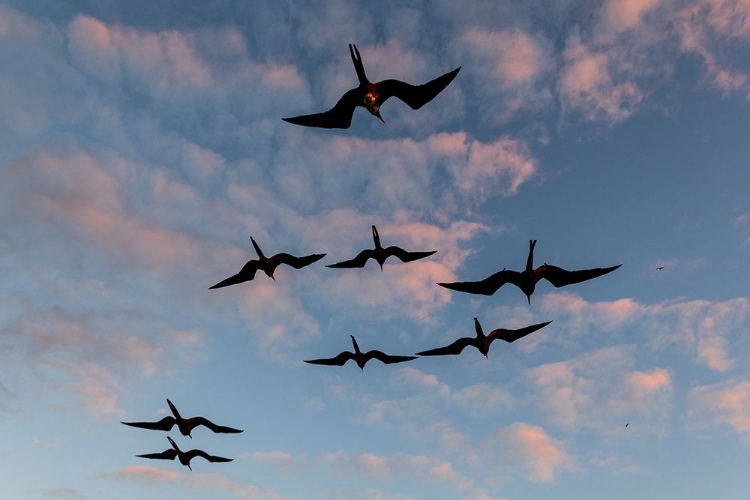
x=528, y=278
x=380, y=254
x=660, y=268
x=626, y=425
x=184, y=456
x=359, y=357
x=186, y=425
x=482, y=341
x=268, y=265
x=372, y=95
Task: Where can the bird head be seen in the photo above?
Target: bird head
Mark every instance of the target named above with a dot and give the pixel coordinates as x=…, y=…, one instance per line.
x=372, y=106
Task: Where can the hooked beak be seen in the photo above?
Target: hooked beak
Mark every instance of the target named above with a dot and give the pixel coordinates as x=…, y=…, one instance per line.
x=528, y=297
x=381, y=118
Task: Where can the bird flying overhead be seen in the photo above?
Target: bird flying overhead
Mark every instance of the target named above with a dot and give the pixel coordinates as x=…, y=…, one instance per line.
x=184, y=456
x=186, y=425
x=528, y=278
x=660, y=268
x=359, y=357
x=268, y=265
x=372, y=95
x=380, y=254
x=482, y=341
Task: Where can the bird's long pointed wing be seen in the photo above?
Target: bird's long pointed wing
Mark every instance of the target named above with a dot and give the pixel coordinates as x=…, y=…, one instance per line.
x=339, y=360
x=165, y=424
x=296, y=262
x=561, y=277
x=359, y=261
x=387, y=358
x=169, y=454
x=211, y=458
x=416, y=96
x=216, y=428
x=513, y=335
x=247, y=273
x=405, y=256
x=339, y=116
x=454, y=348
x=487, y=286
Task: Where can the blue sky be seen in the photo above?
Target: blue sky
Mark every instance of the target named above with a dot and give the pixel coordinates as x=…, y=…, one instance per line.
x=142, y=145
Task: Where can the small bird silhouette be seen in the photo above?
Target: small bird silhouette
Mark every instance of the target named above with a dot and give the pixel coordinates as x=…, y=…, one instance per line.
x=186, y=425
x=380, y=254
x=184, y=456
x=268, y=265
x=626, y=425
x=359, y=357
x=660, y=268
x=482, y=341
x=528, y=278
x=372, y=95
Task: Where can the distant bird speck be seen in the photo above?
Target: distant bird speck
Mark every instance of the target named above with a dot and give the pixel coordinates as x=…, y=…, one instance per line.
x=660, y=268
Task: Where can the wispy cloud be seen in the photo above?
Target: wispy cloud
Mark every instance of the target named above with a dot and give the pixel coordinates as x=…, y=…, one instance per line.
x=725, y=403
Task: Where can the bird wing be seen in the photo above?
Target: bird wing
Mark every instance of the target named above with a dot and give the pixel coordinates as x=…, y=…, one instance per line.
x=216, y=428
x=339, y=360
x=169, y=454
x=359, y=261
x=487, y=286
x=387, y=358
x=513, y=335
x=165, y=424
x=415, y=96
x=560, y=277
x=454, y=348
x=211, y=458
x=405, y=256
x=295, y=262
x=247, y=273
x=339, y=116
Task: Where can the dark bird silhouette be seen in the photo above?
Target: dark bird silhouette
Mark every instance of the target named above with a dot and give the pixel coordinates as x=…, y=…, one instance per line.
x=482, y=341
x=186, y=425
x=660, y=268
x=184, y=456
x=528, y=278
x=626, y=425
x=359, y=357
x=380, y=254
x=372, y=95
x=268, y=265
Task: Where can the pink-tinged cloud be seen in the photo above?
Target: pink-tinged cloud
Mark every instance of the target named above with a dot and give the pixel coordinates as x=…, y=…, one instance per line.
x=145, y=474
x=286, y=462
x=623, y=14
x=726, y=403
x=542, y=456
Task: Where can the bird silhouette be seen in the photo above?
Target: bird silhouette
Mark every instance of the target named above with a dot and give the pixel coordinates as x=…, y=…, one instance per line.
x=660, y=268
x=372, y=95
x=528, y=278
x=268, y=265
x=359, y=357
x=482, y=341
x=186, y=425
x=380, y=254
x=184, y=456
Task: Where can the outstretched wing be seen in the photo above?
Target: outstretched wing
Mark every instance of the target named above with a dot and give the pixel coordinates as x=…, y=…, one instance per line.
x=487, y=286
x=295, y=262
x=454, y=348
x=169, y=454
x=337, y=361
x=405, y=256
x=560, y=277
x=211, y=458
x=415, y=96
x=359, y=261
x=246, y=274
x=387, y=358
x=513, y=335
x=216, y=428
x=339, y=116
x=164, y=424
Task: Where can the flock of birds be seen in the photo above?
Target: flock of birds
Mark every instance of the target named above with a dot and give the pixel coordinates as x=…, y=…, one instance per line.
x=371, y=96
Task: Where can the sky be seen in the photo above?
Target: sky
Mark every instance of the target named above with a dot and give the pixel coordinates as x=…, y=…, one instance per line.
x=141, y=146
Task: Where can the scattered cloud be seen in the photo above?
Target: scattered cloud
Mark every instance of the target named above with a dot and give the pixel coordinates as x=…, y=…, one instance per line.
x=542, y=456
x=726, y=403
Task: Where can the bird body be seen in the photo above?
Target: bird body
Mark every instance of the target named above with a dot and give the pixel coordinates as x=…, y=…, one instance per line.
x=359, y=357
x=482, y=342
x=268, y=265
x=184, y=456
x=527, y=279
x=372, y=95
x=185, y=425
x=380, y=254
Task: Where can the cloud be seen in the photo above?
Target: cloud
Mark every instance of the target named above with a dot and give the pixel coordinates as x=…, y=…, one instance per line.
x=619, y=464
x=542, y=456
x=281, y=460
x=64, y=494
x=725, y=403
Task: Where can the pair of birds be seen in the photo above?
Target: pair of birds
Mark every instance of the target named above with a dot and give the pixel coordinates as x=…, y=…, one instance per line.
x=186, y=426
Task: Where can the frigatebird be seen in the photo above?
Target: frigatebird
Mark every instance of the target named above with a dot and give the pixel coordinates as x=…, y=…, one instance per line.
x=528, y=278
x=184, y=456
x=380, y=254
x=372, y=95
x=660, y=268
x=359, y=357
x=482, y=341
x=268, y=265
x=186, y=425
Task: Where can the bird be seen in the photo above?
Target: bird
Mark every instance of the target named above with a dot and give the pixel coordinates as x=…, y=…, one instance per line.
x=359, y=357
x=482, y=341
x=184, y=456
x=528, y=278
x=660, y=268
x=186, y=425
x=268, y=265
x=372, y=95
x=626, y=425
x=380, y=254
